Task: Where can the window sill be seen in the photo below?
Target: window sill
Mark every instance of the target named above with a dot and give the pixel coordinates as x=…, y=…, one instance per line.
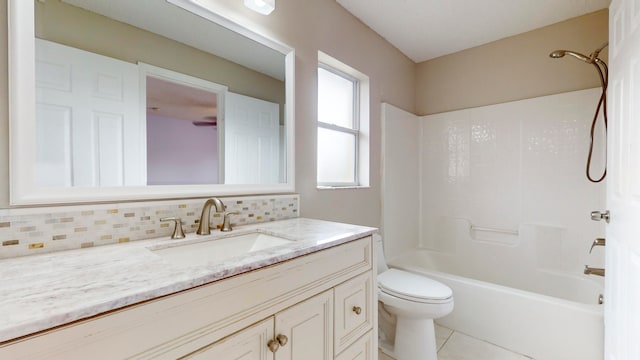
x=348, y=187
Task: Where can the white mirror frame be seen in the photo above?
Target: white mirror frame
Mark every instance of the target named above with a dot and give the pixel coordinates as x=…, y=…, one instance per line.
x=22, y=95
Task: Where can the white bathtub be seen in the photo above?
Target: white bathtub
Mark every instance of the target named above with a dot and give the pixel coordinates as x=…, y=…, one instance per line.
x=561, y=320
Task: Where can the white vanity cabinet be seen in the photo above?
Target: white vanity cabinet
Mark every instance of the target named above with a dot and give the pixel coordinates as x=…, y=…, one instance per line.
x=317, y=306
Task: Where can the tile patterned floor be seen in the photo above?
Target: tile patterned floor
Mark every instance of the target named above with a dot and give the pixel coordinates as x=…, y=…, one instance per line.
x=453, y=345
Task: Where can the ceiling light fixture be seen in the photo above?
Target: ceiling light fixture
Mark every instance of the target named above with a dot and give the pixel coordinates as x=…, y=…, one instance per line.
x=264, y=7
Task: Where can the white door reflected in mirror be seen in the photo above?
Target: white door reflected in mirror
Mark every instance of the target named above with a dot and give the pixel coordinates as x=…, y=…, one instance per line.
x=88, y=131
x=252, y=141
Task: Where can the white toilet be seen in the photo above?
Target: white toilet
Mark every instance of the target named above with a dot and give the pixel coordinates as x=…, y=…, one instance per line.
x=415, y=300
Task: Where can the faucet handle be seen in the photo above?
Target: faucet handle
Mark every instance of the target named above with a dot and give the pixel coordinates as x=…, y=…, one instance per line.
x=597, y=242
x=226, y=221
x=178, y=233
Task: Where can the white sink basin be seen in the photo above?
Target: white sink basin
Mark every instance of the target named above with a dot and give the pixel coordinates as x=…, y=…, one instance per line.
x=217, y=250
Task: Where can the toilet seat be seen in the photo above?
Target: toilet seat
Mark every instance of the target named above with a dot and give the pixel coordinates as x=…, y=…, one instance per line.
x=413, y=287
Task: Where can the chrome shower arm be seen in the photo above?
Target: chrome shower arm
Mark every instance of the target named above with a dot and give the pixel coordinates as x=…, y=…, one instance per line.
x=594, y=55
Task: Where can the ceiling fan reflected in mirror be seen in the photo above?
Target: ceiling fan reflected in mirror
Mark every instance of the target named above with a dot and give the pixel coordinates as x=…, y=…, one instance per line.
x=208, y=121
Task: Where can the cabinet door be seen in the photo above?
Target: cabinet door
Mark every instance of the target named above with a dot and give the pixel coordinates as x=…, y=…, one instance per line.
x=305, y=330
x=247, y=344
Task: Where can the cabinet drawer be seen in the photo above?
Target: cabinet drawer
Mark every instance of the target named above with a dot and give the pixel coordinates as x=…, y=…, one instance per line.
x=362, y=349
x=353, y=310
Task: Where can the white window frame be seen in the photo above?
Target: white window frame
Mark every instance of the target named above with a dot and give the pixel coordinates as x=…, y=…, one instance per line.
x=360, y=127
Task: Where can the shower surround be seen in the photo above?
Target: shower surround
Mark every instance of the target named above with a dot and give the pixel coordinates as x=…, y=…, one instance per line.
x=504, y=199
x=510, y=166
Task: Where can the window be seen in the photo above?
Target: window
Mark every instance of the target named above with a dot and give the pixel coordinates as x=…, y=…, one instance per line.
x=343, y=124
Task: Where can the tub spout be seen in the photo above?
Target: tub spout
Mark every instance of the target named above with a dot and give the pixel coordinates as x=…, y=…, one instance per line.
x=593, y=271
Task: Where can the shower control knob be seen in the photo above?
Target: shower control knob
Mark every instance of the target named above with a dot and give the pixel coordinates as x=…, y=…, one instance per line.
x=598, y=215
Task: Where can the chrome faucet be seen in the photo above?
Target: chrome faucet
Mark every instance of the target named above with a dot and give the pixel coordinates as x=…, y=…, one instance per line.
x=203, y=226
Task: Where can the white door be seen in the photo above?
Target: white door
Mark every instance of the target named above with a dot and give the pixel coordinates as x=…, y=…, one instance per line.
x=252, y=140
x=307, y=329
x=247, y=344
x=89, y=132
x=622, y=281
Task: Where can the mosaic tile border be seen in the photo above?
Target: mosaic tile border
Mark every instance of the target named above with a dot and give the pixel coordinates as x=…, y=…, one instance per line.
x=47, y=229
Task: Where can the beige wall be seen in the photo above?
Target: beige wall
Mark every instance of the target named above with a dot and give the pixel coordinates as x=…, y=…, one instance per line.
x=308, y=26
x=514, y=68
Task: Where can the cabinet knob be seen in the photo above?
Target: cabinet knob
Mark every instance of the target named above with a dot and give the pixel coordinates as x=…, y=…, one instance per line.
x=273, y=345
x=357, y=310
x=282, y=339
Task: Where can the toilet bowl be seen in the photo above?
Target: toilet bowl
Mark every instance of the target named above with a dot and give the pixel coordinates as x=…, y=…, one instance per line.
x=415, y=301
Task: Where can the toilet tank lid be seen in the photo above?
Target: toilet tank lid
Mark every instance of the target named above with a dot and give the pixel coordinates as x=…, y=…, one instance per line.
x=413, y=285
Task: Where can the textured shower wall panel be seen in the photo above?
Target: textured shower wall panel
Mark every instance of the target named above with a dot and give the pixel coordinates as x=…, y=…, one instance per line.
x=445, y=186
x=511, y=165
x=471, y=170
x=555, y=189
x=400, y=181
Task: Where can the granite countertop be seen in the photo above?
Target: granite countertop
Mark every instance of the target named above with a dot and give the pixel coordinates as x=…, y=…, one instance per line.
x=43, y=291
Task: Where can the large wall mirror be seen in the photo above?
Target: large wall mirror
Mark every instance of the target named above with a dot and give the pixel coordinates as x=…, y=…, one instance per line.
x=146, y=99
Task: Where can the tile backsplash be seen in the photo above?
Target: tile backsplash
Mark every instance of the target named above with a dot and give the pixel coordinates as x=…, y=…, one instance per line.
x=47, y=229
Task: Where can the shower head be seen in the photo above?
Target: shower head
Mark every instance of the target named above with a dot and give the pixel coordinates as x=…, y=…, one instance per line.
x=561, y=53
x=592, y=58
x=557, y=54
